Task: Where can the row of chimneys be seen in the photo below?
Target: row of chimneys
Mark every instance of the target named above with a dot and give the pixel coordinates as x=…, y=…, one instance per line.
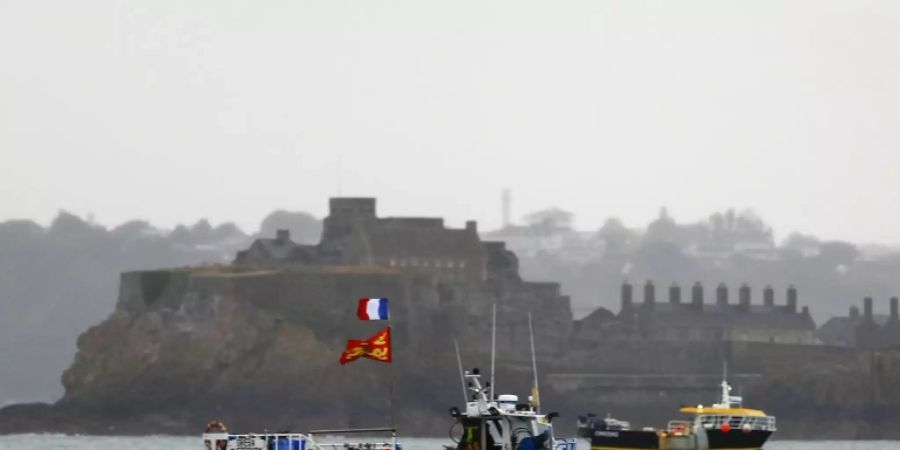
x=867, y=309
x=721, y=296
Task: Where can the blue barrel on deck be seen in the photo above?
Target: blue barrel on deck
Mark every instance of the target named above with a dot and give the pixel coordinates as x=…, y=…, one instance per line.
x=287, y=443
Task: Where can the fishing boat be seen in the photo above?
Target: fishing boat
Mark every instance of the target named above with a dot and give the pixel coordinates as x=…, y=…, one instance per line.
x=503, y=423
x=726, y=424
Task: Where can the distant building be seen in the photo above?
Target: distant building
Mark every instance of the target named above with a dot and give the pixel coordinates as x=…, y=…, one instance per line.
x=866, y=330
x=354, y=235
x=562, y=243
x=280, y=250
x=695, y=320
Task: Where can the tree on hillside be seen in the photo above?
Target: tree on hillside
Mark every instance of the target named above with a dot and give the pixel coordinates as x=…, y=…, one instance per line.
x=552, y=218
x=304, y=228
x=617, y=237
x=663, y=228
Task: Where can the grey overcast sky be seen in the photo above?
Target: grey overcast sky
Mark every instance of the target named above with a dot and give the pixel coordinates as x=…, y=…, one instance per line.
x=177, y=110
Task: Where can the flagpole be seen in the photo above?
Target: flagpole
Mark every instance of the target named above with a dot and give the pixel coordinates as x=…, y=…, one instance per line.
x=493, y=349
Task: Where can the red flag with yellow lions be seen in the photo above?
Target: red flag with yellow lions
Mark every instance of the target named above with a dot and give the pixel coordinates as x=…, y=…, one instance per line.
x=377, y=347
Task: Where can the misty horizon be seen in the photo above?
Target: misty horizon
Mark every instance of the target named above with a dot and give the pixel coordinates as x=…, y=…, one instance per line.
x=180, y=111
x=251, y=228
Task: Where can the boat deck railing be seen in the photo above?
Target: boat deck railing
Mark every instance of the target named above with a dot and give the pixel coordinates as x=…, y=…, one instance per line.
x=367, y=445
x=764, y=423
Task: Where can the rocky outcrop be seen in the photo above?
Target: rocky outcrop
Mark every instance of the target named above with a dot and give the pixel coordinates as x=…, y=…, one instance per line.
x=259, y=349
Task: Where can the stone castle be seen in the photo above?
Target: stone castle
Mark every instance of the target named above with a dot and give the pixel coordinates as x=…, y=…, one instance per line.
x=354, y=235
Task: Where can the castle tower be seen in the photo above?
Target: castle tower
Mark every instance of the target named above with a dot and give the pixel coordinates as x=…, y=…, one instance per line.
x=345, y=213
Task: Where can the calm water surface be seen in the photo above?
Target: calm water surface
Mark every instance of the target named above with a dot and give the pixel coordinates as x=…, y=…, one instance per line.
x=57, y=442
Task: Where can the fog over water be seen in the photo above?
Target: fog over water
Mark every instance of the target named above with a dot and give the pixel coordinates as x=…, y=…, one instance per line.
x=172, y=111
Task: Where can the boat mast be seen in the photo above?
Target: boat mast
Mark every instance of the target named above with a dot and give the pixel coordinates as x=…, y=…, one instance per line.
x=462, y=375
x=726, y=396
x=536, y=393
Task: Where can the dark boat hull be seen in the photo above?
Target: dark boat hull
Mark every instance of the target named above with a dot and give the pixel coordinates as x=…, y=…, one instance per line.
x=649, y=440
x=603, y=440
x=734, y=439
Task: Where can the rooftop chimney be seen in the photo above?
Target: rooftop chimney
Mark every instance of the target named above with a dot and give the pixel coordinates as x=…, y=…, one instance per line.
x=626, y=297
x=894, y=317
x=649, y=294
x=792, y=299
x=471, y=225
x=697, y=296
x=854, y=312
x=805, y=310
x=675, y=294
x=722, y=294
x=867, y=308
x=769, y=296
x=282, y=236
x=744, y=296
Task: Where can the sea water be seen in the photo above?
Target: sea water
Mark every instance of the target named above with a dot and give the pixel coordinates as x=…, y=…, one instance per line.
x=60, y=442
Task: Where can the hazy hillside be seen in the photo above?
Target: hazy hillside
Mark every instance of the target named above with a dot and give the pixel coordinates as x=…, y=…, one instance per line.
x=728, y=247
x=57, y=281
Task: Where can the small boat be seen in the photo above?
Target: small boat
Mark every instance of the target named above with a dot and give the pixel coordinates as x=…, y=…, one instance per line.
x=723, y=425
x=217, y=437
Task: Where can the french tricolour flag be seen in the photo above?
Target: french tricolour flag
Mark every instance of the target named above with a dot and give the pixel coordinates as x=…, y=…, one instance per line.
x=372, y=309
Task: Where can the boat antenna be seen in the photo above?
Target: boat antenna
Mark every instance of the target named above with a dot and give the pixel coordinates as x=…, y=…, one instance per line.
x=536, y=392
x=726, y=397
x=493, y=349
x=462, y=376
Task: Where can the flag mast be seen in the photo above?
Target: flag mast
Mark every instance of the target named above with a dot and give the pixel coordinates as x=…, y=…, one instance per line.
x=493, y=351
x=377, y=347
x=391, y=399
